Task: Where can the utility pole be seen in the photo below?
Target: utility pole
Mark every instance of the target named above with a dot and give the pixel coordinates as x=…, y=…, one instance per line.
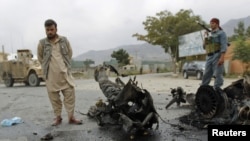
x=4, y=55
x=3, y=49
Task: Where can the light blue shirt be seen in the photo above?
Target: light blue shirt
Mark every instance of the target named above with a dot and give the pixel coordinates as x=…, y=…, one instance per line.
x=219, y=36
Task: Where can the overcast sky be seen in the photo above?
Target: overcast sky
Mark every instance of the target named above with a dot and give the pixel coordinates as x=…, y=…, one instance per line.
x=98, y=24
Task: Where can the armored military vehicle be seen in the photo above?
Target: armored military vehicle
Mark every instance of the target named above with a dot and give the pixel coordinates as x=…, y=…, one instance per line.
x=22, y=69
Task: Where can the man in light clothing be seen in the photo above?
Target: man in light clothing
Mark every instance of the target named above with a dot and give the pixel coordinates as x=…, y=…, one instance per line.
x=54, y=53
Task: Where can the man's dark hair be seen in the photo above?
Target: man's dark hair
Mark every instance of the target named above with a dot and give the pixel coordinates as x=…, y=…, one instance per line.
x=50, y=22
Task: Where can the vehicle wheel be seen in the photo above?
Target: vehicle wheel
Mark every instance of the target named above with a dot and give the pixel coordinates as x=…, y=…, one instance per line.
x=33, y=80
x=199, y=75
x=185, y=75
x=8, y=80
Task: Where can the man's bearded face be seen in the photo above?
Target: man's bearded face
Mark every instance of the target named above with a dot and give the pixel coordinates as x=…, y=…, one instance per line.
x=51, y=31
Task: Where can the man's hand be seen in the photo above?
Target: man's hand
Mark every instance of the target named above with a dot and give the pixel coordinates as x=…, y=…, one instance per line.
x=221, y=60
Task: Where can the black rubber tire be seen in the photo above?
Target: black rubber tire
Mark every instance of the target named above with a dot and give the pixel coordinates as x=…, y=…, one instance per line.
x=8, y=80
x=33, y=80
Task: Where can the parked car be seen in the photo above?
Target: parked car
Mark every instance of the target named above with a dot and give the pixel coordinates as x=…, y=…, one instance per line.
x=193, y=68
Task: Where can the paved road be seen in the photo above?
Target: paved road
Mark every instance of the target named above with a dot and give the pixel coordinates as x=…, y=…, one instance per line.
x=32, y=105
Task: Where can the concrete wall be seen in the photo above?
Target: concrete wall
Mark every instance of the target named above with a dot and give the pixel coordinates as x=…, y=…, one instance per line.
x=234, y=66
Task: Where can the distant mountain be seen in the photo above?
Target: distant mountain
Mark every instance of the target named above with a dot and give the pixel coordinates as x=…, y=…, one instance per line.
x=138, y=51
x=146, y=51
x=229, y=26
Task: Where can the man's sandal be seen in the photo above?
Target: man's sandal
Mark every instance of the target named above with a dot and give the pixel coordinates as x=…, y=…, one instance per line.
x=75, y=121
x=57, y=121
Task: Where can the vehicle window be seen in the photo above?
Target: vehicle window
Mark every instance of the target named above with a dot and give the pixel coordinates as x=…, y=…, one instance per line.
x=201, y=64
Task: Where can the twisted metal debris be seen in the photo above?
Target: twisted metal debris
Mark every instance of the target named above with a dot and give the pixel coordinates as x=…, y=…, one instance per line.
x=127, y=105
x=230, y=105
x=178, y=95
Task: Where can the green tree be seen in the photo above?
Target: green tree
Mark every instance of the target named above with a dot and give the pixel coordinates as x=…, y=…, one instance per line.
x=242, y=48
x=87, y=63
x=165, y=29
x=121, y=56
x=240, y=31
x=241, y=52
x=248, y=32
